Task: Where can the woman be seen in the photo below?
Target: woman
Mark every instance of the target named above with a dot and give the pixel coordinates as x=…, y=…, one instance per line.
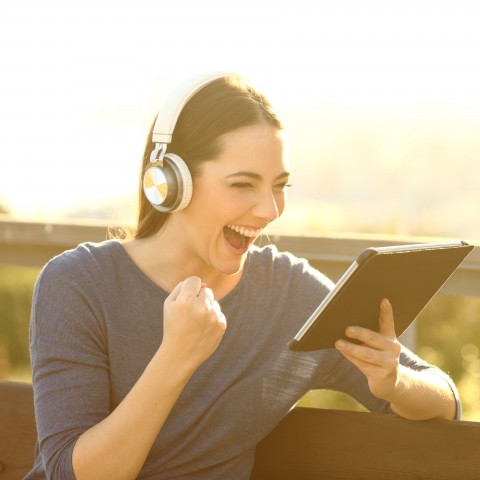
x=165, y=356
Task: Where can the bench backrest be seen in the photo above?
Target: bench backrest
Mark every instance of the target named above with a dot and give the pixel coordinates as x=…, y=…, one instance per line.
x=309, y=444
x=17, y=430
x=330, y=444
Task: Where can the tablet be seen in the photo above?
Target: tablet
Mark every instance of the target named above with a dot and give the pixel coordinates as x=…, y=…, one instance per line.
x=408, y=275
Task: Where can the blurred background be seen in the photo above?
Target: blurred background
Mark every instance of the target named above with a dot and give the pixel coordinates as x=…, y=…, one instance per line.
x=380, y=100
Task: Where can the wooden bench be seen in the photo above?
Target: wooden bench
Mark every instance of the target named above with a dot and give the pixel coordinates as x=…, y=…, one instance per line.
x=17, y=429
x=309, y=444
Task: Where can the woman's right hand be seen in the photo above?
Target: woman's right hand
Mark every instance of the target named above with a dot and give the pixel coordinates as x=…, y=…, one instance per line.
x=193, y=323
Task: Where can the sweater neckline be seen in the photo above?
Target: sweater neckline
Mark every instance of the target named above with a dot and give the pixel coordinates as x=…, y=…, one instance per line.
x=139, y=272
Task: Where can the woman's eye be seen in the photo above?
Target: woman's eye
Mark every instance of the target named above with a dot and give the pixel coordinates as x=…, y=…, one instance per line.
x=250, y=186
x=242, y=185
x=282, y=186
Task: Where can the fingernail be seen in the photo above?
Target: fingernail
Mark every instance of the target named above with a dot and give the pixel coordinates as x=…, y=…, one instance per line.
x=341, y=344
x=351, y=331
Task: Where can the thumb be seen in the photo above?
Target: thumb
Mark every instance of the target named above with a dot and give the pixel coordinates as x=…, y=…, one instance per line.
x=386, y=321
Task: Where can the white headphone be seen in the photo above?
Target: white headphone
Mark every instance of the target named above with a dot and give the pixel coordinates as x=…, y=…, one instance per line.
x=167, y=183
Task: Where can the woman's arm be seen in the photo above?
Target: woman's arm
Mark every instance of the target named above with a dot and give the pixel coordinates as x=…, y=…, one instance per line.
x=414, y=394
x=118, y=446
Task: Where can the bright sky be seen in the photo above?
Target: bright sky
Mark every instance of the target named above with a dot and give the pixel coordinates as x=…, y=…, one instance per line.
x=79, y=78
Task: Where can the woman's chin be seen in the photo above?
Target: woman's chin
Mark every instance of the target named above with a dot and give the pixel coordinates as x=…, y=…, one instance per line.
x=234, y=260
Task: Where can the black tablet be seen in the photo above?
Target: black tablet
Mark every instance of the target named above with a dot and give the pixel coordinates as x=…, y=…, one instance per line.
x=408, y=275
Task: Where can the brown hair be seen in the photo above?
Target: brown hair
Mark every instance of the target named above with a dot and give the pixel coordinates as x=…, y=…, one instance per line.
x=222, y=106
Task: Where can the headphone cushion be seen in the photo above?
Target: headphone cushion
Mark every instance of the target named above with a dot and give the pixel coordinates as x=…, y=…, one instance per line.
x=184, y=181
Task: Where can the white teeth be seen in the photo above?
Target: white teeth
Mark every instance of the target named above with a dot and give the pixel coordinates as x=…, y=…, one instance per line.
x=245, y=231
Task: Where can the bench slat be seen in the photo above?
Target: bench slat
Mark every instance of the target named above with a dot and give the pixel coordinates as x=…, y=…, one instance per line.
x=313, y=444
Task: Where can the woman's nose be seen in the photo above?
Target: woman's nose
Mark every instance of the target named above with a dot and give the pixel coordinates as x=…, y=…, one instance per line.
x=267, y=207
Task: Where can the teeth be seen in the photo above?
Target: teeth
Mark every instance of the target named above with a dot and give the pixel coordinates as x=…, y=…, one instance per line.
x=245, y=231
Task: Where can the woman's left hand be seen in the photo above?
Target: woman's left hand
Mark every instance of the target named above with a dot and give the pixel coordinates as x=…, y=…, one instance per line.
x=378, y=355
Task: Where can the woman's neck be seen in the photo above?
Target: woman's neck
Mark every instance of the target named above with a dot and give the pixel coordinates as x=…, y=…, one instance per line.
x=166, y=263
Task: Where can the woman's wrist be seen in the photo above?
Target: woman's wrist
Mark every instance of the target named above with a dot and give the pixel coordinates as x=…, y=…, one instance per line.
x=178, y=367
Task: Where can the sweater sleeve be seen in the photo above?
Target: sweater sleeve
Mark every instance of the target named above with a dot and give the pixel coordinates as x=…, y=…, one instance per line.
x=69, y=364
x=347, y=378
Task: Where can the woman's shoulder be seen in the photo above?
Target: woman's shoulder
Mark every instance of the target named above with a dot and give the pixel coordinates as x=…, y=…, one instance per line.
x=270, y=253
x=85, y=257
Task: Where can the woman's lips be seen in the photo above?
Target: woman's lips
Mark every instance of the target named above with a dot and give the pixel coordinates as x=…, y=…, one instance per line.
x=245, y=230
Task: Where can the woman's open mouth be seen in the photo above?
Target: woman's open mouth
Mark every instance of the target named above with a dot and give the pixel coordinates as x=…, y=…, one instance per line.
x=240, y=238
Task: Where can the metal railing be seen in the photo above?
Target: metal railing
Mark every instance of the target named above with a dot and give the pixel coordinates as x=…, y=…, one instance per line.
x=34, y=243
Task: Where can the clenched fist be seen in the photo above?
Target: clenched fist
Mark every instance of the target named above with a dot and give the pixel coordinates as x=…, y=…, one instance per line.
x=193, y=322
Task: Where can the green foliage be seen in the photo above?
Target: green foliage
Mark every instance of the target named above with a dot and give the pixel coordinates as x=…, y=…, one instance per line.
x=16, y=285
x=330, y=399
x=448, y=335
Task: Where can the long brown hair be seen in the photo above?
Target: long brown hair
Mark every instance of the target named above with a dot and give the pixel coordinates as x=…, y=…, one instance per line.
x=224, y=105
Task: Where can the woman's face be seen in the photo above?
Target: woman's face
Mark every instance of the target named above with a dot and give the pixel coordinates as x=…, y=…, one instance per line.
x=236, y=196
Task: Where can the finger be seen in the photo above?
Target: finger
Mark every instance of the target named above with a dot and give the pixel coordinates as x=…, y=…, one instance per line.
x=359, y=354
x=386, y=321
x=222, y=319
x=174, y=293
x=205, y=297
x=217, y=309
x=206, y=292
x=190, y=288
x=364, y=367
x=368, y=337
x=216, y=315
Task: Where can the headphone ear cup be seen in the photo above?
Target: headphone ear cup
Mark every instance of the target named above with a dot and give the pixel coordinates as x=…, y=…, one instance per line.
x=184, y=181
x=169, y=187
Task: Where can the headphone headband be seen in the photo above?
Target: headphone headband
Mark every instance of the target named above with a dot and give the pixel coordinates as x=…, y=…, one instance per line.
x=167, y=183
x=174, y=103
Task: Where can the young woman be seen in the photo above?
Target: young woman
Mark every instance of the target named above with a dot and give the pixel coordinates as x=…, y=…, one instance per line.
x=166, y=355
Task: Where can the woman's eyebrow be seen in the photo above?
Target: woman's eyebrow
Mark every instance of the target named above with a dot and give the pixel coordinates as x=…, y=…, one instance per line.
x=255, y=176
